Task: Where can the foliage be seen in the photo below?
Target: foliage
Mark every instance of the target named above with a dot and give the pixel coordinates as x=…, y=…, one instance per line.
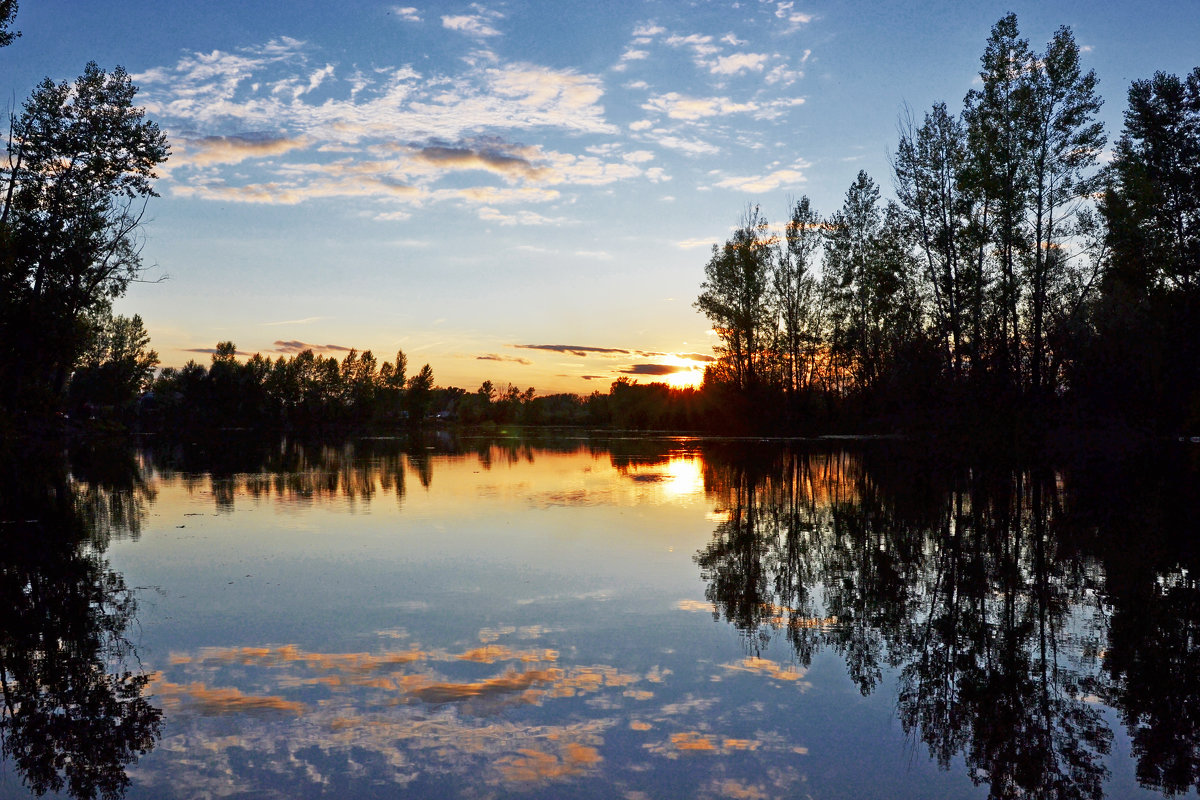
x=117, y=366
x=80, y=166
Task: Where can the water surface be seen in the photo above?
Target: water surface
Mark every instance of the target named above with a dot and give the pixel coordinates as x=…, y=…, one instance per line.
x=598, y=617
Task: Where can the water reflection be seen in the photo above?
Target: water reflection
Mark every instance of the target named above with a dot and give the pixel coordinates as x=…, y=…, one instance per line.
x=986, y=591
x=500, y=618
x=74, y=714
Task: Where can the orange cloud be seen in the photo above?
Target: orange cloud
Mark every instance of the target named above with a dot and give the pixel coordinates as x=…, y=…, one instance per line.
x=766, y=667
x=422, y=688
x=536, y=766
x=221, y=700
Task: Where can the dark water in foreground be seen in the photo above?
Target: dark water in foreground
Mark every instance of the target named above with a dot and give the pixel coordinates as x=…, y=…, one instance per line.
x=589, y=617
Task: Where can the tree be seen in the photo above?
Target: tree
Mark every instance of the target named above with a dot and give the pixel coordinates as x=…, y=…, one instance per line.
x=735, y=295
x=1142, y=364
x=117, y=366
x=996, y=116
x=795, y=292
x=80, y=166
x=850, y=240
x=929, y=166
x=1066, y=143
x=8, y=12
x=419, y=389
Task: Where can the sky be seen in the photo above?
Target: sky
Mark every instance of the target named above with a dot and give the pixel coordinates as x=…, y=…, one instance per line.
x=524, y=192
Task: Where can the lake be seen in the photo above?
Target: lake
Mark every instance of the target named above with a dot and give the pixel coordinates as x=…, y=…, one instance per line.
x=566, y=614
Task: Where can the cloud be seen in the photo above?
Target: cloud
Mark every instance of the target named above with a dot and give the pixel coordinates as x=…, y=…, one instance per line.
x=756, y=184
x=427, y=126
x=495, y=357
x=699, y=44
x=787, y=12
x=520, y=217
x=303, y=321
x=492, y=160
x=292, y=193
x=574, y=349
x=235, y=148
x=647, y=30
x=295, y=346
x=679, y=106
x=738, y=63
x=654, y=369
x=691, y=147
x=211, y=351
x=407, y=13
x=480, y=24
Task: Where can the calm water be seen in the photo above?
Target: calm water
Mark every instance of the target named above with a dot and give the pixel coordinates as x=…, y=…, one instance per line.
x=616, y=618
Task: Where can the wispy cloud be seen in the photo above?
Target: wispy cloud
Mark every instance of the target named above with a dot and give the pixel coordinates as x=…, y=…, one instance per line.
x=684, y=107
x=521, y=217
x=303, y=321
x=392, y=134
x=784, y=176
x=210, y=351
x=575, y=349
x=654, y=369
x=407, y=13
x=479, y=24
x=295, y=346
x=788, y=13
x=233, y=149
x=495, y=357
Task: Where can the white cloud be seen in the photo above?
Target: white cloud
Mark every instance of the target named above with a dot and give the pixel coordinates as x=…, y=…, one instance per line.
x=648, y=29
x=755, y=184
x=699, y=44
x=737, y=63
x=641, y=125
x=787, y=12
x=678, y=106
x=521, y=217
x=691, y=147
x=407, y=13
x=480, y=24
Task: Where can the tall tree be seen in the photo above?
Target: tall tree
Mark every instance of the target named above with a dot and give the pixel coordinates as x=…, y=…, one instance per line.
x=1066, y=140
x=795, y=293
x=929, y=166
x=735, y=297
x=997, y=118
x=1142, y=365
x=850, y=242
x=81, y=162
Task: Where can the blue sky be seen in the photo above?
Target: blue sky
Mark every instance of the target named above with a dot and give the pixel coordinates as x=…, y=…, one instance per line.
x=518, y=191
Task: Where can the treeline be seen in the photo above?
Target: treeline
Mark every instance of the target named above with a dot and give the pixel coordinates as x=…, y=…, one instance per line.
x=308, y=391
x=1012, y=279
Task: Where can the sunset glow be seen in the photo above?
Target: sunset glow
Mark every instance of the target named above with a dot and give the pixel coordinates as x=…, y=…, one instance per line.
x=462, y=182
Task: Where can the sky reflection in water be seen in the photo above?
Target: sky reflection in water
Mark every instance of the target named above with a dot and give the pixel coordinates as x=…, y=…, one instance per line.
x=509, y=619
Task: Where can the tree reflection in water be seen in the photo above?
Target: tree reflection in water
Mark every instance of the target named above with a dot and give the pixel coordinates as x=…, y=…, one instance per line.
x=985, y=590
x=74, y=716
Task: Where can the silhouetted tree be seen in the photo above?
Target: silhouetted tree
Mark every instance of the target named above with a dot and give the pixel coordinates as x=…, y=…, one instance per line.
x=81, y=159
x=735, y=295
